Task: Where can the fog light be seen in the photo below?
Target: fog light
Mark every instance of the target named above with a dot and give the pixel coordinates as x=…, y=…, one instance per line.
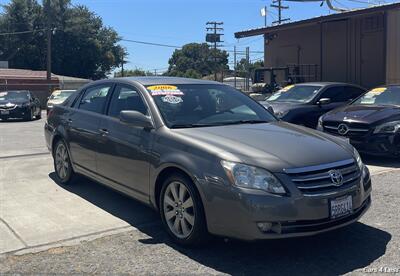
x=264, y=226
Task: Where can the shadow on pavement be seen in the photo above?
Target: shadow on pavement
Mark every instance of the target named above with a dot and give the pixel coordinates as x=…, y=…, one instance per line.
x=332, y=253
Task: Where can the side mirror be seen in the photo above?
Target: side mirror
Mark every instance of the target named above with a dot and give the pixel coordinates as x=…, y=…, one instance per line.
x=324, y=101
x=270, y=109
x=135, y=118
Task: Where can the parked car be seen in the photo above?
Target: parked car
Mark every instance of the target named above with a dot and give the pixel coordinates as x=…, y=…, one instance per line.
x=209, y=158
x=304, y=103
x=372, y=122
x=19, y=104
x=58, y=97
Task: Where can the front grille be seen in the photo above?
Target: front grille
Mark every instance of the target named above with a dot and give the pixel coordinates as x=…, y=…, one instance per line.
x=353, y=129
x=5, y=108
x=316, y=180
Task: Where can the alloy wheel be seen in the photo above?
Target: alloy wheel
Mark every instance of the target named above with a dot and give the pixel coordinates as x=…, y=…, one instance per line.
x=179, y=209
x=62, y=161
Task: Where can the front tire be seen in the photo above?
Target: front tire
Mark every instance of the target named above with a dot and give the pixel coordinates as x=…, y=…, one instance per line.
x=182, y=212
x=62, y=163
x=29, y=116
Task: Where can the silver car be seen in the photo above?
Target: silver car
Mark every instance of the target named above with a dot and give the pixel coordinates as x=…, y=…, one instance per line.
x=210, y=159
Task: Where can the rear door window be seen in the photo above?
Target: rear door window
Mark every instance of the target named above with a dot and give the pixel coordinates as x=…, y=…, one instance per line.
x=95, y=98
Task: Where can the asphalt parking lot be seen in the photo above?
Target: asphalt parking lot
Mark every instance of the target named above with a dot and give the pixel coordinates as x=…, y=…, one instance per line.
x=87, y=228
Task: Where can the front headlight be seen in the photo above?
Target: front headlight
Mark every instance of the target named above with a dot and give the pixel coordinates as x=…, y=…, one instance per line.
x=390, y=127
x=319, y=126
x=252, y=178
x=281, y=114
x=358, y=159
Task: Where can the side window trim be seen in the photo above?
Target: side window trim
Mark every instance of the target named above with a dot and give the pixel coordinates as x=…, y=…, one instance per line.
x=130, y=86
x=78, y=100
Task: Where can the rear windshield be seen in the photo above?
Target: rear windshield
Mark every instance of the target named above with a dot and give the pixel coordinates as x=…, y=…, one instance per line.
x=381, y=96
x=295, y=93
x=14, y=95
x=197, y=105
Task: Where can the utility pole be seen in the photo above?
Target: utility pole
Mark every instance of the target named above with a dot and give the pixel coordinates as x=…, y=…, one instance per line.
x=234, y=65
x=278, y=5
x=247, y=86
x=122, y=64
x=48, y=67
x=213, y=36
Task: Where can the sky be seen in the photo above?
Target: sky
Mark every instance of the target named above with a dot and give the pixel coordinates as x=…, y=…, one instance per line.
x=177, y=22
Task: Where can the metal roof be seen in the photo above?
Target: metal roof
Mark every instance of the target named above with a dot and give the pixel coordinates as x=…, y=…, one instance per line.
x=319, y=19
x=153, y=80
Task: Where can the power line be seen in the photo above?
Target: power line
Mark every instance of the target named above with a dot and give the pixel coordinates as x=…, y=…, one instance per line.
x=151, y=43
x=22, y=32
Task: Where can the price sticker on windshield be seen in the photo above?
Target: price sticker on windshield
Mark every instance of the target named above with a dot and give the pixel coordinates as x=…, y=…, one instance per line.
x=164, y=90
x=378, y=90
x=2, y=94
x=286, y=88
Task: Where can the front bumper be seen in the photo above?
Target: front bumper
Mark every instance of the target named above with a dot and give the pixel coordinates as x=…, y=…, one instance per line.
x=378, y=144
x=235, y=214
x=16, y=112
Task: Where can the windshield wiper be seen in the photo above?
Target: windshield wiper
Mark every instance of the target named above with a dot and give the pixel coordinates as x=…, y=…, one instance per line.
x=246, y=122
x=189, y=125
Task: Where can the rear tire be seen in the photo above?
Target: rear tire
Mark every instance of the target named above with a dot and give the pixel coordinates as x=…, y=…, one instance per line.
x=181, y=211
x=62, y=163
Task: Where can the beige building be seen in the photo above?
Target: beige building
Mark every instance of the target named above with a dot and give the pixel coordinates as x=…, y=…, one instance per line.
x=359, y=46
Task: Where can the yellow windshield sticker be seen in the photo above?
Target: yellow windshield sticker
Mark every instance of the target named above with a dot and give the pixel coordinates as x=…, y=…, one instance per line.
x=286, y=88
x=162, y=90
x=378, y=90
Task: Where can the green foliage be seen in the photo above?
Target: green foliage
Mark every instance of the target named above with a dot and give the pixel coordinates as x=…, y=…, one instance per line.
x=243, y=72
x=196, y=60
x=81, y=45
x=133, y=73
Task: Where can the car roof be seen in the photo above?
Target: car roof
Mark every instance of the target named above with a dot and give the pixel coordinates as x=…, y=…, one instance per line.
x=325, y=83
x=18, y=91
x=154, y=80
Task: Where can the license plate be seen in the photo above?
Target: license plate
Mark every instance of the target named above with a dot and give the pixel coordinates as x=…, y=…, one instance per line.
x=341, y=206
x=5, y=112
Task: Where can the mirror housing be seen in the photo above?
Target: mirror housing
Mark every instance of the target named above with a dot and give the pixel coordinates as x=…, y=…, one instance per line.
x=324, y=101
x=136, y=119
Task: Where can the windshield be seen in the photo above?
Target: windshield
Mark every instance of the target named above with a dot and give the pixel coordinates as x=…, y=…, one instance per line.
x=60, y=95
x=14, y=95
x=197, y=105
x=295, y=93
x=381, y=96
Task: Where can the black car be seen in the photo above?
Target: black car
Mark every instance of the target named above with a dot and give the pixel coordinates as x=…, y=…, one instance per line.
x=19, y=104
x=372, y=122
x=304, y=103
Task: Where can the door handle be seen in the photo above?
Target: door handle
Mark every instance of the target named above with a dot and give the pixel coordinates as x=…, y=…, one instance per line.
x=69, y=121
x=103, y=131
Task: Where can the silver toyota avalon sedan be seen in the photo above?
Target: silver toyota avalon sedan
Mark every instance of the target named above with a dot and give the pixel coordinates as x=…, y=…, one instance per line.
x=208, y=158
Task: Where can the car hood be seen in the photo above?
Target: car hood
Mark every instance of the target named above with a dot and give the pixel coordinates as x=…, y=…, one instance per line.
x=55, y=101
x=363, y=113
x=13, y=102
x=282, y=106
x=274, y=146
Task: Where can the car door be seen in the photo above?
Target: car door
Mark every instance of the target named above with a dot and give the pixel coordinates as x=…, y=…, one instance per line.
x=83, y=123
x=124, y=152
x=331, y=93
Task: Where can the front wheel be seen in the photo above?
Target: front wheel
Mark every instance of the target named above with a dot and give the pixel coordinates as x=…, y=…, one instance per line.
x=62, y=163
x=29, y=116
x=182, y=212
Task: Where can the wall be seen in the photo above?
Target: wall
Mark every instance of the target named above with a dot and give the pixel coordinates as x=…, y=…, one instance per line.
x=393, y=47
x=348, y=50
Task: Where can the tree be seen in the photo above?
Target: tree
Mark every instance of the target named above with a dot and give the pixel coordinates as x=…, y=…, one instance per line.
x=196, y=60
x=137, y=72
x=243, y=72
x=81, y=45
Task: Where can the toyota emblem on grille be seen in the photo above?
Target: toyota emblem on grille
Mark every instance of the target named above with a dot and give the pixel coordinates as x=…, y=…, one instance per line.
x=336, y=177
x=343, y=129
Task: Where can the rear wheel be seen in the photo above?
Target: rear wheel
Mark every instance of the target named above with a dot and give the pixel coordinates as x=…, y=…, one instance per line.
x=182, y=212
x=62, y=163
